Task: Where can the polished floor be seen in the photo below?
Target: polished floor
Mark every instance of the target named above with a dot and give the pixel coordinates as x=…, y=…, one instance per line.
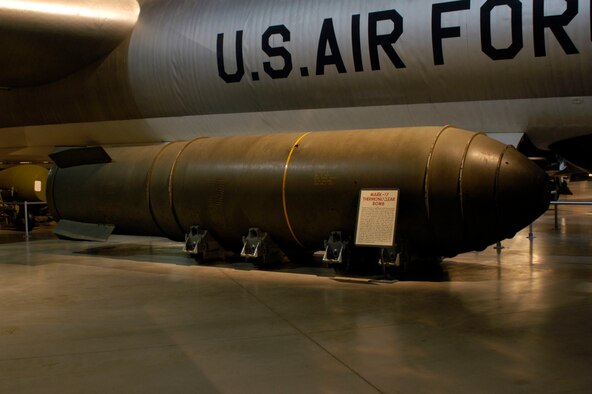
x=134, y=315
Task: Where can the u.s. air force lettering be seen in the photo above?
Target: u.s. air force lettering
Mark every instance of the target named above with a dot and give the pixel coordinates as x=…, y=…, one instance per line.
x=503, y=27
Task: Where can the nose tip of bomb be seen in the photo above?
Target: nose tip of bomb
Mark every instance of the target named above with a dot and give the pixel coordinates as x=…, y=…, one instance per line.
x=521, y=193
x=499, y=192
x=504, y=193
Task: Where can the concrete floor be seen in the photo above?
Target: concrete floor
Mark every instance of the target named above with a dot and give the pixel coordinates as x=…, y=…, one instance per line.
x=132, y=315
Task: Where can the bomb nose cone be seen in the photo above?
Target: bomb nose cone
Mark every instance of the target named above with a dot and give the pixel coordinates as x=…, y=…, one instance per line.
x=521, y=194
x=501, y=192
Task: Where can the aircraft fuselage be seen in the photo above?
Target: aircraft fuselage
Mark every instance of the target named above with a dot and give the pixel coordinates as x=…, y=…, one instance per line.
x=192, y=68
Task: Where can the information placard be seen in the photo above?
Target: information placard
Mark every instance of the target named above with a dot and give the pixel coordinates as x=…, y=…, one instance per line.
x=377, y=217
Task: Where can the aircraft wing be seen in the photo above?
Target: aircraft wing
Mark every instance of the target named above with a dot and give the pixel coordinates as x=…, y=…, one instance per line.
x=45, y=40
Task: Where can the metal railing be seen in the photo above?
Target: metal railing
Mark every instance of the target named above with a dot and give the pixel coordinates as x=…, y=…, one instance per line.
x=555, y=207
x=27, y=204
x=499, y=246
x=555, y=204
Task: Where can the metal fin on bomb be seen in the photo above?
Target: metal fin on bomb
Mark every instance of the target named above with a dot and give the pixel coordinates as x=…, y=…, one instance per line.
x=69, y=229
x=71, y=157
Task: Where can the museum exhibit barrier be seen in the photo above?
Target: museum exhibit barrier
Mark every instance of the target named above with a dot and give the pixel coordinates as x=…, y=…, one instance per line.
x=556, y=205
x=26, y=205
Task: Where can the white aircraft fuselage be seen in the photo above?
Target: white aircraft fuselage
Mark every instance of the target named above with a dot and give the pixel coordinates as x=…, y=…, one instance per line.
x=211, y=67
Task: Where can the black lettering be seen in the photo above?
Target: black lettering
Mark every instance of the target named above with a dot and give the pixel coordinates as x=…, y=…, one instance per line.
x=557, y=25
x=282, y=52
x=385, y=41
x=517, y=36
x=328, y=38
x=439, y=32
x=356, y=44
x=240, y=65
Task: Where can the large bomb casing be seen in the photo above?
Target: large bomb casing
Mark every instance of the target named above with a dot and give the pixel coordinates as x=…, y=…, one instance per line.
x=459, y=191
x=28, y=182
